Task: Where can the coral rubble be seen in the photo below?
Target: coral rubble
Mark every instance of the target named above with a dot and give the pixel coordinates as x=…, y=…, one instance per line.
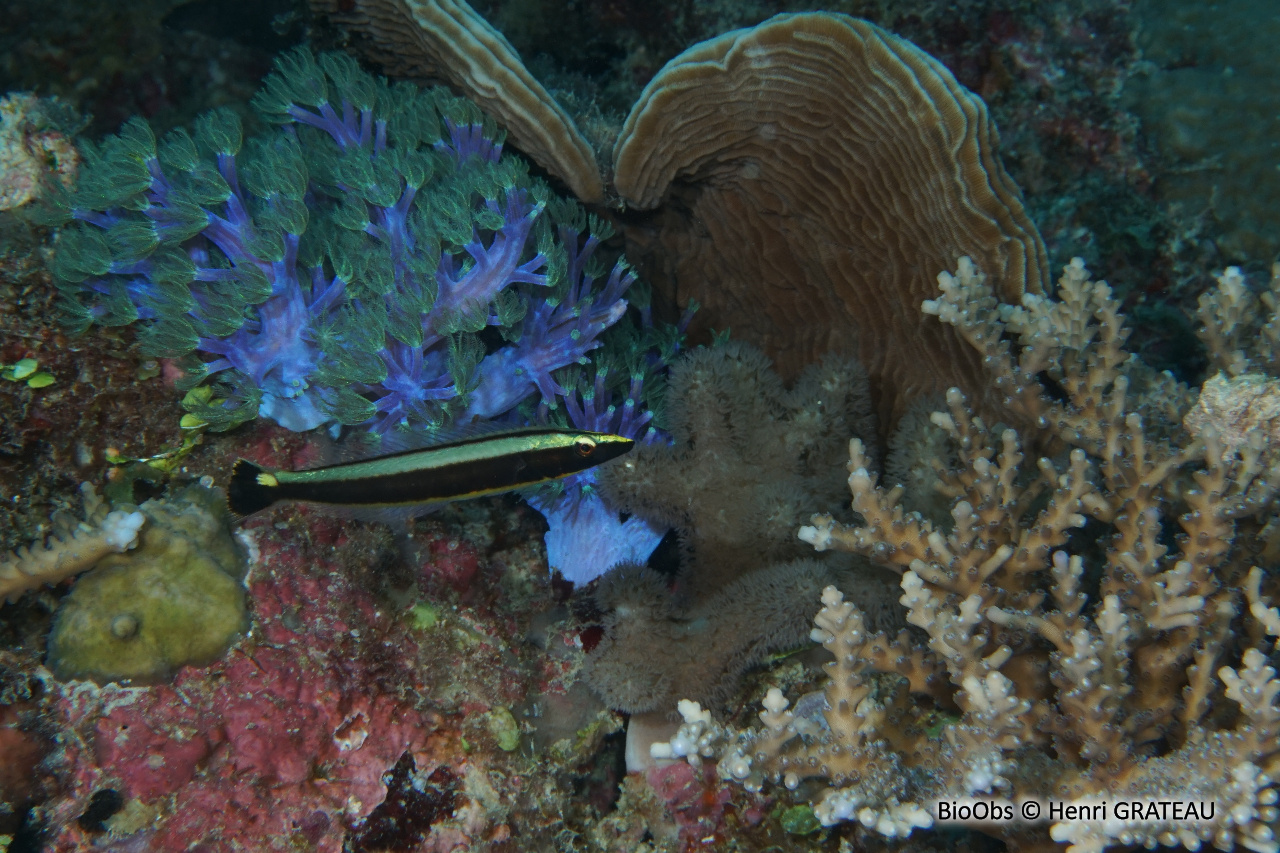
x=1047, y=695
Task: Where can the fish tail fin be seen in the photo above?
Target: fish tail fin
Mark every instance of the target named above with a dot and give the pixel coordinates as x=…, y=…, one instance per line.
x=252, y=488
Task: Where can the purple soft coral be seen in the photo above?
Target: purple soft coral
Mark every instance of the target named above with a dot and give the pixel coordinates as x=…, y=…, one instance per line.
x=376, y=261
x=340, y=269
x=586, y=538
x=554, y=335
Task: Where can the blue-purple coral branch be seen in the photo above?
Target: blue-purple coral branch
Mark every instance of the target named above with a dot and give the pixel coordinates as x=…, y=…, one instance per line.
x=586, y=537
x=555, y=334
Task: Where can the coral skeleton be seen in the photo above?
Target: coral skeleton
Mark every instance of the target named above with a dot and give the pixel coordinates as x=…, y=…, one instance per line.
x=1129, y=662
x=73, y=547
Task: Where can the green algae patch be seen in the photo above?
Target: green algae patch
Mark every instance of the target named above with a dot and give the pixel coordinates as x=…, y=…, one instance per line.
x=504, y=728
x=799, y=820
x=423, y=616
x=176, y=599
x=937, y=722
x=27, y=370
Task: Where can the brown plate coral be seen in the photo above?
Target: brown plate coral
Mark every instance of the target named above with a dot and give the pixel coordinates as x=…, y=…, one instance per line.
x=808, y=174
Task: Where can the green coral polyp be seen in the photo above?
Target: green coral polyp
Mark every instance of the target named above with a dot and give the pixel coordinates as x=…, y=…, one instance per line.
x=175, y=600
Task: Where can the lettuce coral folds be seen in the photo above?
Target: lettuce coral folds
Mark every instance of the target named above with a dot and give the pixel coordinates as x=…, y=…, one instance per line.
x=1133, y=663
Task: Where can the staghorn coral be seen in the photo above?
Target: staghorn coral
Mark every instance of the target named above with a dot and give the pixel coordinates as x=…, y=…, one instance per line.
x=914, y=450
x=1243, y=342
x=1071, y=378
x=74, y=547
x=1239, y=335
x=748, y=460
x=1082, y=669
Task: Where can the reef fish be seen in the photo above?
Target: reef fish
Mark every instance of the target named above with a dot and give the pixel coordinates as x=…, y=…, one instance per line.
x=457, y=470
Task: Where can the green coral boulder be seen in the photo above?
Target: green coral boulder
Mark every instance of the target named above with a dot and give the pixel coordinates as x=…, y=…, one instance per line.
x=177, y=599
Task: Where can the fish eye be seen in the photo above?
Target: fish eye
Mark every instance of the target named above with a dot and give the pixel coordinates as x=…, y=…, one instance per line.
x=583, y=446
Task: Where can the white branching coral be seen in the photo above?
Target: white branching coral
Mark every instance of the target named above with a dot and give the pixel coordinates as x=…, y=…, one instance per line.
x=1239, y=335
x=1242, y=402
x=73, y=547
x=1127, y=664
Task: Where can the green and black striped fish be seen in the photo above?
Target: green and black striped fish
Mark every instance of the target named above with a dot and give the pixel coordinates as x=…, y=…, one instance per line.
x=457, y=470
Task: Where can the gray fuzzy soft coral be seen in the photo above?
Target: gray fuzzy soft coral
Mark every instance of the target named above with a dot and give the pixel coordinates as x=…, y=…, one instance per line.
x=751, y=462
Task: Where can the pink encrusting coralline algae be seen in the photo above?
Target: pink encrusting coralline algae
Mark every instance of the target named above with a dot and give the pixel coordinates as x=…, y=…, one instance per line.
x=280, y=742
